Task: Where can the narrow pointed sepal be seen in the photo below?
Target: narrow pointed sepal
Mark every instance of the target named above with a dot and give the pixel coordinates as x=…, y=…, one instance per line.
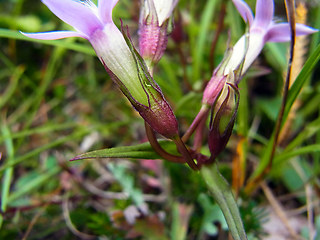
x=222, y=122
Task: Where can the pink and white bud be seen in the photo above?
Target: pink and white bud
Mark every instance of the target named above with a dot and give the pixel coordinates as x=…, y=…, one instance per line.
x=222, y=120
x=213, y=89
x=153, y=29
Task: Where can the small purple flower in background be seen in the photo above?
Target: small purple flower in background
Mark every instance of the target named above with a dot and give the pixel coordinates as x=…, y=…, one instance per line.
x=119, y=57
x=153, y=30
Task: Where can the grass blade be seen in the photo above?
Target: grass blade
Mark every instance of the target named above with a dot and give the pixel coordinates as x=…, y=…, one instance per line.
x=8, y=172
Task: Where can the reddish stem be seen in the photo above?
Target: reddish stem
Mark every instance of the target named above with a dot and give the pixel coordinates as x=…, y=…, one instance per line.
x=158, y=149
x=203, y=113
x=197, y=144
x=185, y=153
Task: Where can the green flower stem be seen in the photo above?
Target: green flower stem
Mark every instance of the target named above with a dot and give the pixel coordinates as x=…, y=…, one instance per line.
x=221, y=192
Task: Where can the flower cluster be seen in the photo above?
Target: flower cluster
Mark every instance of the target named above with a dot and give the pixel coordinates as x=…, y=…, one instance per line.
x=132, y=70
x=221, y=91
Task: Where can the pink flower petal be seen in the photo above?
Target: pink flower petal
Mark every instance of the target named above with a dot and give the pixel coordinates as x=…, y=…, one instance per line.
x=80, y=15
x=105, y=8
x=281, y=32
x=53, y=35
x=244, y=10
x=264, y=13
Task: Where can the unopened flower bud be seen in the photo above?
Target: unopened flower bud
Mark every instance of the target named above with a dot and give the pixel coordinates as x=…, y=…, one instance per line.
x=153, y=29
x=156, y=111
x=213, y=89
x=223, y=119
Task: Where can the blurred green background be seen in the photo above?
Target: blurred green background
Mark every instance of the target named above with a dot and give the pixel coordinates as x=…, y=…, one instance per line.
x=57, y=101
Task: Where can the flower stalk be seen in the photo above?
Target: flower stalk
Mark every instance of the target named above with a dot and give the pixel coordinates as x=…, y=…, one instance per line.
x=222, y=194
x=203, y=113
x=185, y=153
x=157, y=147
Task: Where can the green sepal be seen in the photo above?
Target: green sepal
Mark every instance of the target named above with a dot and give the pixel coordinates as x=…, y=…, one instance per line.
x=221, y=124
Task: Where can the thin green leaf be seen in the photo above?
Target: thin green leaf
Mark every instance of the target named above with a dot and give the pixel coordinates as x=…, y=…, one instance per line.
x=141, y=151
x=41, y=130
x=180, y=220
x=34, y=184
x=38, y=150
x=11, y=86
x=7, y=177
x=198, y=52
x=311, y=129
x=280, y=158
x=1, y=220
x=300, y=80
x=292, y=95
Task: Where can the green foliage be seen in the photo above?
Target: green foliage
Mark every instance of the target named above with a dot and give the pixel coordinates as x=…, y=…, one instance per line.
x=254, y=218
x=127, y=183
x=57, y=103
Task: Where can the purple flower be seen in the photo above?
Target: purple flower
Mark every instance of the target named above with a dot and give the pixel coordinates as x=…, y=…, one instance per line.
x=95, y=24
x=119, y=57
x=221, y=92
x=262, y=29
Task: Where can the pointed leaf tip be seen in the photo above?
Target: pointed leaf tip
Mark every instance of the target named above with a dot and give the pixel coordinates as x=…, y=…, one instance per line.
x=141, y=151
x=77, y=158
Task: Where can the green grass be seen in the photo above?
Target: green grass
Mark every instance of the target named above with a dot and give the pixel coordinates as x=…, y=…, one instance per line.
x=58, y=102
